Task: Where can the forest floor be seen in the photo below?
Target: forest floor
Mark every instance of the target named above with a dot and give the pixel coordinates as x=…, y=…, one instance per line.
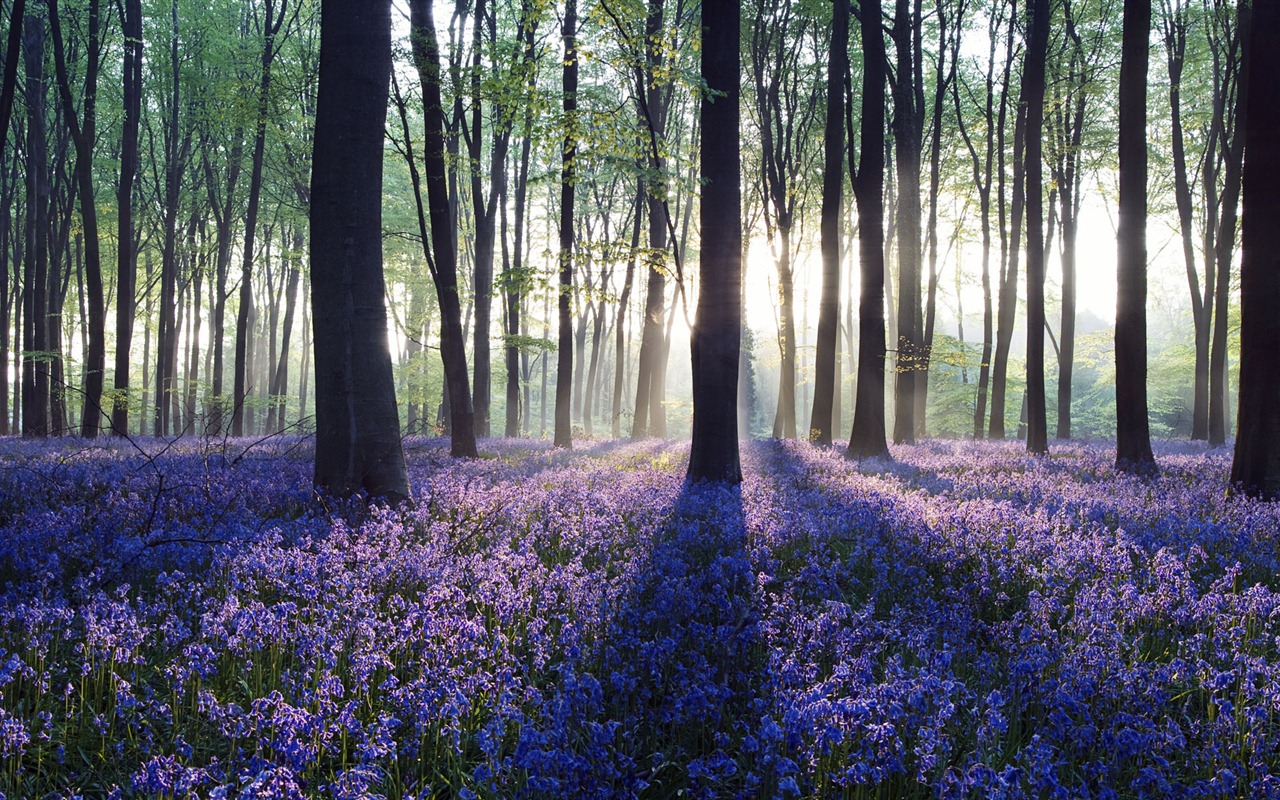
x=966, y=621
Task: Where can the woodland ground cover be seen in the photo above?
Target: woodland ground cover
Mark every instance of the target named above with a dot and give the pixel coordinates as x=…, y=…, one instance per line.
x=190, y=621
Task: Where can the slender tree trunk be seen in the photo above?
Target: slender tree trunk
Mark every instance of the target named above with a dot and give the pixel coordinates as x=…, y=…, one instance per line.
x=272, y=21
x=35, y=368
x=126, y=252
x=84, y=136
x=624, y=304
x=867, y=438
x=1133, y=434
x=1224, y=248
x=445, y=272
x=825, y=387
x=569, y=151
x=13, y=49
x=357, y=429
x=1174, y=34
x=1010, y=239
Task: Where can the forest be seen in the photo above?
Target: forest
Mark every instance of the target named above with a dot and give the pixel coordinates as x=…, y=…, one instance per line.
x=639, y=398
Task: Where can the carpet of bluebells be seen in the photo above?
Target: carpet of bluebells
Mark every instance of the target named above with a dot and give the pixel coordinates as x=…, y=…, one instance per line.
x=190, y=620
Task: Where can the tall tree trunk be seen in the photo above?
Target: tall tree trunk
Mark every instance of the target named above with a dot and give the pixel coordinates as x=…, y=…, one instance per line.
x=175, y=154
x=1174, y=33
x=1224, y=248
x=126, y=252
x=1033, y=81
x=445, y=266
x=84, y=136
x=13, y=49
x=825, y=388
x=357, y=429
x=908, y=115
x=1133, y=434
x=35, y=341
x=717, y=333
x=568, y=153
x=1010, y=240
x=867, y=438
x=272, y=21
x=1255, y=470
x=514, y=288
x=653, y=100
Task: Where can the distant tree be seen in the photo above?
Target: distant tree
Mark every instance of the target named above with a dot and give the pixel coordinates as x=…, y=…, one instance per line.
x=867, y=438
x=357, y=427
x=1033, y=77
x=824, y=365
x=564, y=363
x=1133, y=431
x=1255, y=470
x=717, y=332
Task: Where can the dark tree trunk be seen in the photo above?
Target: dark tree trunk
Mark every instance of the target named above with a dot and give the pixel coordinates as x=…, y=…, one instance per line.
x=825, y=388
x=445, y=264
x=13, y=50
x=1033, y=78
x=127, y=254
x=84, y=137
x=175, y=150
x=868, y=437
x=568, y=153
x=717, y=329
x=35, y=340
x=1255, y=470
x=1133, y=433
x=357, y=429
x=908, y=118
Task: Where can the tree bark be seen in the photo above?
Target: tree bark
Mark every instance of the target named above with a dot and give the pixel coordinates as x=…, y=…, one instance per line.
x=357, y=429
x=272, y=21
x=568, y=153
x=717, y=333
x=867, y=438
x=825, y=389
x=1033, y=80
x=1255, y=469
x=1010, y=241
x=35, y=340
x=444, y=264
x=1133, y=433
x=84, y=136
